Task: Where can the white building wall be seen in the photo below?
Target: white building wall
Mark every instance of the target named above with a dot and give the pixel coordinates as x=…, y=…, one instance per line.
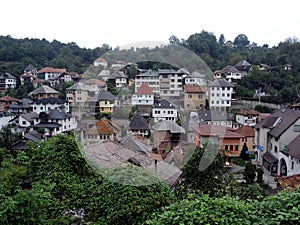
x=142, y=99
x=164, y=114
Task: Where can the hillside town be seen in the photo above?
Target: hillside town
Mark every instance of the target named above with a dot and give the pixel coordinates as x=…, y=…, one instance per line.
x=155, y=118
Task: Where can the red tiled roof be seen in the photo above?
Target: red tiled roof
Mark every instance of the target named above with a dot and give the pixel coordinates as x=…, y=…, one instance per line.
x=38, y=81
x=103, y=126
x=247, y=112
x=192, y=88
x=8, y=99
x=144, y=89
x=51, y=70
x=289, y=182
x=215, y=130
x=246, y=131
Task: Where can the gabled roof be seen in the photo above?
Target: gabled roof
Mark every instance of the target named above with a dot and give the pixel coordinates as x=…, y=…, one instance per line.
x=51, y=100
x=294, y=148
x=7, y=76
x=144, y=89
x=247, y=112
x=246, y=131
x=192, y=88
x=213, y=115
x=108, y=155
x=78, y=87
x=117, y=74
x=230, y=69
x=52, y=70
x=104, y=95
x=243, y=65
x=29, y=116
x=44, y=89
x=100, y=60
x=215, y=130
x=7, y=98
x=97, y=82
x=132, y=143
x=30, y=67
x=139, y=123
x=33, y=136
x=168, y=125
x=54, y=114
x=280, y=121
x=220, y=82
x=102, y=127
x=164, y=104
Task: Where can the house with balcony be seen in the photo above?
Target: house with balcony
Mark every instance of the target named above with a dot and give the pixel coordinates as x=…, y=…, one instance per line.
x=77, y=94
x=230, y=73
x=164, y=110
x=220, y=94
x=118, y=80
x=213, y=117
x=243, y=66
x=103, y=103
x=276, y=139
x=247, y=117
x=102, y=130
x=101, y=62
x=167, y=135
x=7, y=81
x=45, y=104
x=228, y=141
x=22, y=122
x=44, y=91
x=6, y=101
x=195, y=78
x=50, y=74
x=151, y=78
x=139, y=125
x=143, y=96
x=21, y=106
x=54, y=122
x=194, y=97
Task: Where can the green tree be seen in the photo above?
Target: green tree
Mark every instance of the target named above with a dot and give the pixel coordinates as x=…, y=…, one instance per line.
x=249, y=172
x=241, y=41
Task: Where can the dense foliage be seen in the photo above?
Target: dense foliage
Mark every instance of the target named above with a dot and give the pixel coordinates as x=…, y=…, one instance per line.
x=275, y=209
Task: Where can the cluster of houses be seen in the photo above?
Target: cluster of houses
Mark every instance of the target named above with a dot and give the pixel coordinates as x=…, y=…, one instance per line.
x=175, y=112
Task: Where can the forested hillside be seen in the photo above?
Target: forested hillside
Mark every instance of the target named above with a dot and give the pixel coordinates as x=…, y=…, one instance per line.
x=282, y=85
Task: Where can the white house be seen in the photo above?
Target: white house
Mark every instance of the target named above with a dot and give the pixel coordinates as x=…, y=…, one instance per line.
x=220, y=94
x=196, y=78
x=143, y=96
x=164, y=110
x=5, y=117
x=247, y=117
x=50, y=74
x=118, y=79
x=277, y=137
x=7, y=81
x=171, y=82
x=230, y=73
x=54, y=122
x=151, y=78
x=45, y=104
x=100, y=62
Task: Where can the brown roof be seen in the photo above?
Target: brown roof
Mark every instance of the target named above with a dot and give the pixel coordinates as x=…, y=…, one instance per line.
x=289, y=182
x=216, y=130
x=246, y=131
x=100, y=60
x=247, y=112
x=144, y=89
x=8, y=99
x=103, y=126
x=192, y=88
x=51, y=70
x=293, y=148
x=99, y=83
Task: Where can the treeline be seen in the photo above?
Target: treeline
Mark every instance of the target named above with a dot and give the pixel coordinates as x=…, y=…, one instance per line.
x=16, y=54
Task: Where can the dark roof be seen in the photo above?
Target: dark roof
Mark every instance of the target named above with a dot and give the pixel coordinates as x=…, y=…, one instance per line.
x=33, y=136
x=164, y=104
x=7, y=76
x=280, y=121
x=51, y=100
x=220, y=82
x=293, y=148
x=104, y=95
x=213, y=115
x=230, y=69
x=139, y=123
x=269, y=157
x=170, y=71
x=24, y=103
x=117, y=74
x=30, y=67
x=78, y=87
x=132, y=143
x=54, y=114
x=243, y=65
x=20, y=145
x=29, y=116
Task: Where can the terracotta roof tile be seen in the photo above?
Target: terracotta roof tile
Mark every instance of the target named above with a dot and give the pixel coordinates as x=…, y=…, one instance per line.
x=215, y=130
x=246, y=131
x=193, y=89
x=289, y=182
x=247, y=112
x=51, y=70
x=144, y=89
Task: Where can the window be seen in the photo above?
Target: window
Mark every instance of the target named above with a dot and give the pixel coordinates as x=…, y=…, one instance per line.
x=275, y=148
x=226, y=147
x=24, y=122
x=189, y=95
x=200, y=96
x=231, y=148
x=296, y=128
x=236, y=148
x=292, y=165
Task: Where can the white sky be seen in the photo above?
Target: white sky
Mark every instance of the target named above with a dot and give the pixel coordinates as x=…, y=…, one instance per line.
x=91, y=23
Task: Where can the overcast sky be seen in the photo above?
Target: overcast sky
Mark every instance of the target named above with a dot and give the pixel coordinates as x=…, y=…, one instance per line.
x=91, y=23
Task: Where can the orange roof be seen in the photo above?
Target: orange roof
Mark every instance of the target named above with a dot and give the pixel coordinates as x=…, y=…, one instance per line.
x=289, y=182
x=38, y=81
x=246, y=131
x=51, y=70
x=192, y=88
x=99, y=83
x=144, y=89
x=215, y=130
x=8, y=99
x=103, y=126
